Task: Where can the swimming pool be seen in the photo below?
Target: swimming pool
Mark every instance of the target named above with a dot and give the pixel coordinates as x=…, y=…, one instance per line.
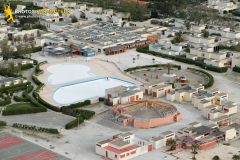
x=63, y=73
x=86, y=90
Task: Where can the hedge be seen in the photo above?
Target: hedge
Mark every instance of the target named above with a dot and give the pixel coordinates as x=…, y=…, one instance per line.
x=44, y=103
x=85, y=114
x=26, y=66
x=35, y=128
x=20, y=99
x=5, y=101
x=150, y=66
x=183, y=59
x=35, y=80
x=2, y=123
x=79, y=104
x=210, y=77
x=37, y=68
x=236, y=69
x=74, y=123
x=231, y=48
x=23, y=108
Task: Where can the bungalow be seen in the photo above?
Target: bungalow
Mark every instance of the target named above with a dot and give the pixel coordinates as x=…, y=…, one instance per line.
x=8, y=81
x=161, y=90
x=161, y=140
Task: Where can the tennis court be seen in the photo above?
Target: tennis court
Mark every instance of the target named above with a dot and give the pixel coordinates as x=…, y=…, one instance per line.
x=15, y=148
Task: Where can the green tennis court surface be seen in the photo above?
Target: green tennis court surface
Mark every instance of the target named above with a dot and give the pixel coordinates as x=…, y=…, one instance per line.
x=15, y=148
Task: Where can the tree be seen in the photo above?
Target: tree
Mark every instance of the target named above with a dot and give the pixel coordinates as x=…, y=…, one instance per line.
x=153, y=60
x=74, y=19
x=71, y=48
x=188, y=25
x=178, y=38
x=236, y=157
x=171, y=143
x=138, y=56
x=134, y=60
x=25, y=37
x=195, y=148
x=6, y=51
x=216, y=157
x=205, y=33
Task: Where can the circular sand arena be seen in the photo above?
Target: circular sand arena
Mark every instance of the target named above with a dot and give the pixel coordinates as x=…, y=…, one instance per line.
x=146, y=114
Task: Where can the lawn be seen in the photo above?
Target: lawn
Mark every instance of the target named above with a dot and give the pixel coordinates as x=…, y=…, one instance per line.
x=22, y=108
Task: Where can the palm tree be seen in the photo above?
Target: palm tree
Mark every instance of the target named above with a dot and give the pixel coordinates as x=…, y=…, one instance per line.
x=6, y=49
x=25, y=37
x=188, y=25
x=195, y=148
x=153, y=60
x=236, y=157
x=171, y=143
x=216, y=157
x=134, y=60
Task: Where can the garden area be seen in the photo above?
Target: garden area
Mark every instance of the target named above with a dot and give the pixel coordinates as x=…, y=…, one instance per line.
x=171, y=73
x=22, y=108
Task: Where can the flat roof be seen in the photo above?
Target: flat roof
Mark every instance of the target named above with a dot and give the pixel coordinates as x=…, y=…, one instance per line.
x=118, y=142
x=166, y=133
x=157, y=138
x=104, y=141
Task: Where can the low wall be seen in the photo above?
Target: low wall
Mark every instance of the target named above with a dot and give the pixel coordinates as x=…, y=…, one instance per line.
x=156, y=121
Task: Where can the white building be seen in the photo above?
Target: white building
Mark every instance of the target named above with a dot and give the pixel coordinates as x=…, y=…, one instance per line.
x=123, y=95
x=123, y=147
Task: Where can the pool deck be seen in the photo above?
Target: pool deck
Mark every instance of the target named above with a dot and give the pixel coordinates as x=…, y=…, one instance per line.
x=98, y=67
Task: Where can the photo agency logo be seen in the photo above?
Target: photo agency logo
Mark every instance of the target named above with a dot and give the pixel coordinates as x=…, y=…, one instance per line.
x=8, y=13
x=12, y=14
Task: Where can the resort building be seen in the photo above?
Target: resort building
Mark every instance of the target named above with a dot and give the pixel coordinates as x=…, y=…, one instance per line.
x=148, y=87
x=123, y=146
x=184, y=93
x=8, y=81
x=161, y=140
x=207, y=136
x=123, y=95
x=223, y=6
x=161, y=90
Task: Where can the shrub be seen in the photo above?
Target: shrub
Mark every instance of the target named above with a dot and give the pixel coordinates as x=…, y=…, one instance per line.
x=44, y=103
x=35, y=80
x=26, y=66
x=37, y=68
x=150, y=66
x=74, y=123
x=20, y=99
x=5, y=101
x=236, y=69
x=101, y=99
x=79, y=104
x=2, y=123
x=35, y=128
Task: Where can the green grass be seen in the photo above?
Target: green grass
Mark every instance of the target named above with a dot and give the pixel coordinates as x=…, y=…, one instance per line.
x=22, y=108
